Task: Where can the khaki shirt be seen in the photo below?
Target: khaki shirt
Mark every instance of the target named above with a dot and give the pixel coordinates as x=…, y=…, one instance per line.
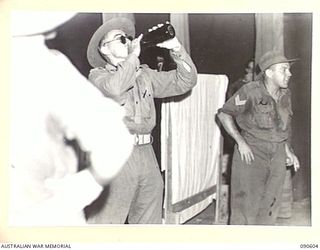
x=135, y=86
x=258, y=114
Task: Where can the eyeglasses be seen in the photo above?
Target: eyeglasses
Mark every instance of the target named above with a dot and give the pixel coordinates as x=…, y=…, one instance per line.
x=122, y=39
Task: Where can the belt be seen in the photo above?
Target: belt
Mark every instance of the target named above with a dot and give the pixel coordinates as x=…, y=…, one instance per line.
x=142, y=139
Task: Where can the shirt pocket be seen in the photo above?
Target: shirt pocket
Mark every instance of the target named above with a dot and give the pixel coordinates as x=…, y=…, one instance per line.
x=264, y=116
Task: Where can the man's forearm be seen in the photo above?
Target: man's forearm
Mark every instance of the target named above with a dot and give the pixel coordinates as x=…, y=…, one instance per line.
x=230, y=126
x=288, y=148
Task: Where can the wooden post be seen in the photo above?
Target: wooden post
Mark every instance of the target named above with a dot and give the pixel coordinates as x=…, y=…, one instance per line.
x=218, y=202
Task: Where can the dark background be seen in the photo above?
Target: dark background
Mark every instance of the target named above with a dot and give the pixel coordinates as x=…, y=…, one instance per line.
x=298, y=43
x=219, y=44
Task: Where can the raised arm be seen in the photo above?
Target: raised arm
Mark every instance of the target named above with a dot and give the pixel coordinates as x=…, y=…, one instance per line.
x=178, y=81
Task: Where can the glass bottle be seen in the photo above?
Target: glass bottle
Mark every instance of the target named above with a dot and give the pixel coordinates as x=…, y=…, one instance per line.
x=158, y=34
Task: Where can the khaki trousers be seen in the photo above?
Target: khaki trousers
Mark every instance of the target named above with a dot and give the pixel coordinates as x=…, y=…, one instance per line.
x=256, y=189
x=135, y=194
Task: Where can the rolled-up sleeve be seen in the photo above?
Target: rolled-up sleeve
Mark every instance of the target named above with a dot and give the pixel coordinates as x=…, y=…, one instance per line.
x=237, y=104
x=175, y=82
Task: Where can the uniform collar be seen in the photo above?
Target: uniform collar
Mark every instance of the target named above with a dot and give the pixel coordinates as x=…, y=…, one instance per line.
x=281, y=90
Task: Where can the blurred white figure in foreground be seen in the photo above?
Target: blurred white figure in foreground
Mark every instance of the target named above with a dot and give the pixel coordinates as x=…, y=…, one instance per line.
x=51, y=101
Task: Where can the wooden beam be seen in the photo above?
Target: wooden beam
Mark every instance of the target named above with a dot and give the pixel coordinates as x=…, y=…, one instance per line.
x=192, y=200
